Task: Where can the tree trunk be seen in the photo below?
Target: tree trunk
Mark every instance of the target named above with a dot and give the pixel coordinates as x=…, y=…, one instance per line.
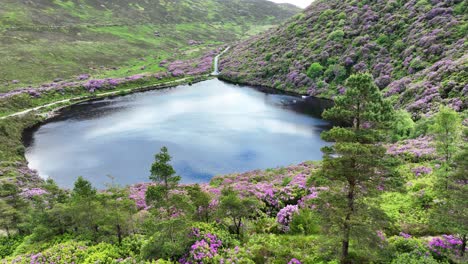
x=119, y=234
x=7, y=230
x=347, y=226
x=463, y=245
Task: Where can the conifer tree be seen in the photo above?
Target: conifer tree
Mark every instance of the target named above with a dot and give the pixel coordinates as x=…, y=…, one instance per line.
x=355, y=162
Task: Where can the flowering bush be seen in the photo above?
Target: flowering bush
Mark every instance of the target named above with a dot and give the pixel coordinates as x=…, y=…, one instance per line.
x=447, y=244
x=203, y=250
x=138, y=194
x=419, y=148
x=420, y=171
x=29, y=193
x=285, y=216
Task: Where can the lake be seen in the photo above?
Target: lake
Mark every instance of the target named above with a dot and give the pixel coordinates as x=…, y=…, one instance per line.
x=210, y=128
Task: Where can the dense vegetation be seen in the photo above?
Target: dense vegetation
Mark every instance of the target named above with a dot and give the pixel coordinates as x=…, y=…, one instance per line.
x=392, y=188
x=388, y=191
x=43, y=40
x=415, y=50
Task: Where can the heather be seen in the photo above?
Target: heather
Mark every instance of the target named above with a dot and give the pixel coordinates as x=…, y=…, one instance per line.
x=415, y=50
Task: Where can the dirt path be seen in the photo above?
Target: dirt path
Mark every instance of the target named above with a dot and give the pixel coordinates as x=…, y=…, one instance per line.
x=20, y=113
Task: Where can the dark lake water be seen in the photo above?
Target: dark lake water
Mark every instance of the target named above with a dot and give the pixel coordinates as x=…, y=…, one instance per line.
x=210, y=128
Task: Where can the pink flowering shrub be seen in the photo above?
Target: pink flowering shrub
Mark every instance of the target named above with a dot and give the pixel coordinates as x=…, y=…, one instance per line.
x=29, y=193
x=447, y=244
x=204, y=249
x=294, y=261
x=138, y=194
x=415, y=149
x=420, y=171
x=285, y=216
x=198, y=66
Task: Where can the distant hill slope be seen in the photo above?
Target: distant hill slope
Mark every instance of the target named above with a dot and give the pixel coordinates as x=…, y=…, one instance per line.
x=416, y=51
x=94, y=12
x=41, y=40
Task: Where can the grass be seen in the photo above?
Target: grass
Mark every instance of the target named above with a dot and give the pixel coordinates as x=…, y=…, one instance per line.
x=95, y=37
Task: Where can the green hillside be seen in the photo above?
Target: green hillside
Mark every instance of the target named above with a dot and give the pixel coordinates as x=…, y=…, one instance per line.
x=415, y=50
x=44, y=40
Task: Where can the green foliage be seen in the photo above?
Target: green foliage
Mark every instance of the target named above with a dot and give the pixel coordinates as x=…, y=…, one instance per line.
x=450, y=214
x=11, y=147
x=102, y=253
x=362, y=103
x=352, y=162
x=12, y=207
x=9, y=244
x=307, y=222
x=447, y=131
x=383, y=40
x=336, y=72
x=336, y=35
x=270, y=249
x=169, y=240
x=326, y=14
x=67, y=38
x=315, y=70
x=403, y=125
x=417, y=64
x=414, y=258
x=236, y=209
x=200, y=200
x=162, y=172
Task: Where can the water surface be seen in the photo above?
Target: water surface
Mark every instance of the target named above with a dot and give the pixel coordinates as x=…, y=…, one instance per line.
x=210, y=128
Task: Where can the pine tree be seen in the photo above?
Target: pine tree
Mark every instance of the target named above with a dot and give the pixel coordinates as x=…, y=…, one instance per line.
x=355, y=162
x=162, y=171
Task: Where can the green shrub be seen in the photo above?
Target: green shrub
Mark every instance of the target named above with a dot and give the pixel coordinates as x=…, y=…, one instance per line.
x=383, y=39
x=417, y=64
x=336, y=35
x=315, y=70
x=9, y=244
x=326, y=14
x=403, y=125
x=102, y=253
x=341, y=15
x=307, y=222
x=414, y=258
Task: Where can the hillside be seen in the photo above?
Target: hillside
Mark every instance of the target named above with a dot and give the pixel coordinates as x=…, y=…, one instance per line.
x=44, y=40
x=415, y=50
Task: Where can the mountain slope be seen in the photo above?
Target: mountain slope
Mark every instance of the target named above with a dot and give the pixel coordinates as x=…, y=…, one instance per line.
x=416, y=51
x=42, y=40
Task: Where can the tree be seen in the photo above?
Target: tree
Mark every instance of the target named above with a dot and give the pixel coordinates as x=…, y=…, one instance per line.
x=162, y=171
x=12, y=208
x=362, y=104
x=85, y=207
x=235, y=208
x=355, y=163
x=7, y=216
x=450, y=214
x=201, y=201
x=119, y=210
x=447, y=131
